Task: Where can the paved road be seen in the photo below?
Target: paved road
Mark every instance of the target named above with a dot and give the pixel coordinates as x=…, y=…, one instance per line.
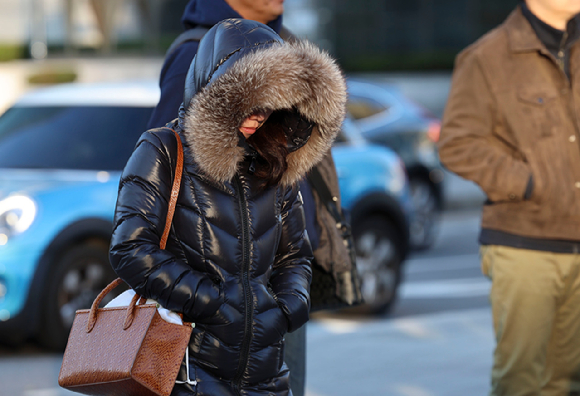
x=436, y=342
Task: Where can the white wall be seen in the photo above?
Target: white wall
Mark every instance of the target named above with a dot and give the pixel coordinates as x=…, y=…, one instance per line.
x=13, y=21
x=15, y=16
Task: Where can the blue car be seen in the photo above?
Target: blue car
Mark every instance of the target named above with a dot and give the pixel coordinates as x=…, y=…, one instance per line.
x=386, y=117
x=374, y=189
x=62, y=150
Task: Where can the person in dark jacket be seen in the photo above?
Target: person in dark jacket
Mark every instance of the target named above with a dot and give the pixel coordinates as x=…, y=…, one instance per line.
x=237, y=261
x=335, y=283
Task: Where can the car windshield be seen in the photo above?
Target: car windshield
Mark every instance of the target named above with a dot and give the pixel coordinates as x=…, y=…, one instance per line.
x=77, y=137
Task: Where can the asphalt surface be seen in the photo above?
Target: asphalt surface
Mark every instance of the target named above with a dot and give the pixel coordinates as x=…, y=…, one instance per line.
x=437, y=341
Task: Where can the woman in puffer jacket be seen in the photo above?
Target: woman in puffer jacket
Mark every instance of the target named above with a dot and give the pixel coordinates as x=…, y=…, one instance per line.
x=257, y=114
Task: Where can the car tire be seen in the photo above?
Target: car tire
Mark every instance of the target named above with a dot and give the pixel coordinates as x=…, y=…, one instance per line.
x=76, y=278
x=424, y=224
x=379, y=254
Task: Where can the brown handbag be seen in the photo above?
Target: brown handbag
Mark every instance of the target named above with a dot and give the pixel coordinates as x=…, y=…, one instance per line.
x=126, y=351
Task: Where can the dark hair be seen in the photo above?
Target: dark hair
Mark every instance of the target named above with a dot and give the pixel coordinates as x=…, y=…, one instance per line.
x=271, y=143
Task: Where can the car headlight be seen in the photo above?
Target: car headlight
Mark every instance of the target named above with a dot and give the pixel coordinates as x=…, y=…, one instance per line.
x=17, y=213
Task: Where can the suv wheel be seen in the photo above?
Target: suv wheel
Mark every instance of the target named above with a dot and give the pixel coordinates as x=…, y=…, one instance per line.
x=76, y=279
x=423, y=227
x=378, y=251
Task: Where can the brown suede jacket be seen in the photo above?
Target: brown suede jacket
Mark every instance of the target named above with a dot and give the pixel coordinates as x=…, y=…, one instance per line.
x=512, y=113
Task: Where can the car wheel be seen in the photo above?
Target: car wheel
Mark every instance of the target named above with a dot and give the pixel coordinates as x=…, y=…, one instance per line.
x=77, y=277
x=423, y=227
x=379, y=256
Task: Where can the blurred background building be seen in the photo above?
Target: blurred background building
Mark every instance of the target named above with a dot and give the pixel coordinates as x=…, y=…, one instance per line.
x=366, y=35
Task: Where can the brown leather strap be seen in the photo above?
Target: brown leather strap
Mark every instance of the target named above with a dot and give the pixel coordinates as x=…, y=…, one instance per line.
x=174, y=191
x=170, y=211
x=102, y=294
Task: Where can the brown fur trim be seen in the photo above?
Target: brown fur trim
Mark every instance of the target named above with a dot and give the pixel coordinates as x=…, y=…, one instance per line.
x=278, y=77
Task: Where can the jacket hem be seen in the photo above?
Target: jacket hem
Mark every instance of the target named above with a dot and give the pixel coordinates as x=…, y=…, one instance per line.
x=501, y=238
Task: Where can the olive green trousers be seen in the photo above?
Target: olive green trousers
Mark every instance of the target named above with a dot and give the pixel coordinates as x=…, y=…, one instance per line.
x=535, y=300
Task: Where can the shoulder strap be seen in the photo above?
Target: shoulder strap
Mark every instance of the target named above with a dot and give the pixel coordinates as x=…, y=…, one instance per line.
x=172, y=203
x=319, y=185
x=195, y=34
x=286, y=34
x=174, y=191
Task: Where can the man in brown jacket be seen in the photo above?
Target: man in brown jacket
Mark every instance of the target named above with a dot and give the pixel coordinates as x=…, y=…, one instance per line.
x=511, y=125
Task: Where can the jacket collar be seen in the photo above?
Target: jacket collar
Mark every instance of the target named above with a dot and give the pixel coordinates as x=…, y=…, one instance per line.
x=524, y=38
x=521, y=35
x=552, y=38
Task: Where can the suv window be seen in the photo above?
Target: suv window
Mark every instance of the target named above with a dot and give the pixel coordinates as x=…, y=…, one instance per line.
x=89, y=138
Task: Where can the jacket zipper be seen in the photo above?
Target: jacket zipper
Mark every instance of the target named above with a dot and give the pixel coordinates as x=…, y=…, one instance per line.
x=246, y=286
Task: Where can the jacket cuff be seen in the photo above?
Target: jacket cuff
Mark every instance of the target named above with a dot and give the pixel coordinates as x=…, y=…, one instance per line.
x=295, y=309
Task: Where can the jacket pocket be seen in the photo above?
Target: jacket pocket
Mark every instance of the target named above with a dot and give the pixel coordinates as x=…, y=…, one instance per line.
x=282, y=328
x=540, y=113
x=537, y=96
x=553, y=180
x=484, y=253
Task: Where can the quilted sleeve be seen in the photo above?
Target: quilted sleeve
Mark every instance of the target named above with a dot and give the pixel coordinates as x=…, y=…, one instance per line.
x=292, y=273
x=140, y=215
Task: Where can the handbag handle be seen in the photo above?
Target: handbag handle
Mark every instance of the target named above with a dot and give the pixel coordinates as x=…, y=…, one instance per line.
x=162, y=243
x=130, y=309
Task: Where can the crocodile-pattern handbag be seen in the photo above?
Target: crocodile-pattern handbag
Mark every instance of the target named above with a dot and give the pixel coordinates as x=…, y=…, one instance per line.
x=126, y=351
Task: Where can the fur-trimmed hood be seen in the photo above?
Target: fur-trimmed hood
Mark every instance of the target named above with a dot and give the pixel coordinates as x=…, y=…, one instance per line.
x=242, y=66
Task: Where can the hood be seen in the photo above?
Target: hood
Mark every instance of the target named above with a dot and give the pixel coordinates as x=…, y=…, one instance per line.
x=242, y=66
x=209, y=12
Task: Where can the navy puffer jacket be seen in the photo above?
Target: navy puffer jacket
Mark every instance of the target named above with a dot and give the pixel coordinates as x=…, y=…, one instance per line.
x=237, y=261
